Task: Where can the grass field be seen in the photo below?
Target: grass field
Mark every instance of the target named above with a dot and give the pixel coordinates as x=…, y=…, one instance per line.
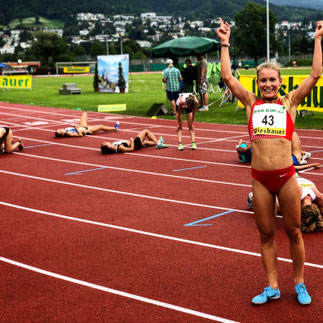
x=31, y=22
x=144, y=91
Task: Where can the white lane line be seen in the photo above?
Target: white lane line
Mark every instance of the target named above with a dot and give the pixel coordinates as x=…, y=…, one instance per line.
x=150, y=234
x=136, y=154
x=82, y=186
x=150, y=156
x=134, y=123
x=147, y=124
x=209, y=140
x=28, y=117
x=133, y=170
x=42, y=128
x=116, y=292
x=125, y=130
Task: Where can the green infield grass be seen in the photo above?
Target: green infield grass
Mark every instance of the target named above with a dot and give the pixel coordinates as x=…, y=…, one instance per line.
x=144, y=91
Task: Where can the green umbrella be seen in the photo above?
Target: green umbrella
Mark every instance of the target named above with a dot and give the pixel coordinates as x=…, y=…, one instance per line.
x=186, y=46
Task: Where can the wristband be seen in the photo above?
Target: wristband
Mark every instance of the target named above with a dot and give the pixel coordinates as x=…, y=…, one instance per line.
x=225, y=45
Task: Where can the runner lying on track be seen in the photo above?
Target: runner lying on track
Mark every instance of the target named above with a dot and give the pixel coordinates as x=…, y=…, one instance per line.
x=311, y=205
x=83, y=129
x=271, y=124
x=144, y=138
x=6, y=141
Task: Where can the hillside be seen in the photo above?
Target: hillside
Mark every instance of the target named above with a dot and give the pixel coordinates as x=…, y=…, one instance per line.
x=313, y=4
x=62, y=9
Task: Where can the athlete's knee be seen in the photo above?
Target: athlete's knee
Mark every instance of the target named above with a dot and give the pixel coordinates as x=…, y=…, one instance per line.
x=179, y=128
x=294, y=233
x=267, y=237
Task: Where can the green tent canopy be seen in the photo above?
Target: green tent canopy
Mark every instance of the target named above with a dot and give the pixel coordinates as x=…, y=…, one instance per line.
x=185, y=46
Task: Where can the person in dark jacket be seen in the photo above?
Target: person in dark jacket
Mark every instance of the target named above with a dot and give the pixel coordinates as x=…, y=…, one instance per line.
x=189, y=75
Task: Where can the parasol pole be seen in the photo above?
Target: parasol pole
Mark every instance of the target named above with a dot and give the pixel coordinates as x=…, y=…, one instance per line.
x=268, y=50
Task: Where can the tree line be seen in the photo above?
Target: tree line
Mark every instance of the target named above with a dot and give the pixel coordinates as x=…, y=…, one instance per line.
x=191, y=9
x=250, y=29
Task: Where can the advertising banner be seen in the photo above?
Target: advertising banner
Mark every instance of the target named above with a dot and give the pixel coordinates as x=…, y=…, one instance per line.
x=313, y=102
x=113, y=73
x=16, y=81
x=76, y=69
x=112, y=107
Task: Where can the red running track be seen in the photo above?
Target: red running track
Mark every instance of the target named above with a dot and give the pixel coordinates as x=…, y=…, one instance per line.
x=153, y=236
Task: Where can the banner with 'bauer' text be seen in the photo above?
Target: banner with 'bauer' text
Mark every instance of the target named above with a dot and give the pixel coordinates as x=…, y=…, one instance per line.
x=313, y=102
x=16, y=81
x=76, y=69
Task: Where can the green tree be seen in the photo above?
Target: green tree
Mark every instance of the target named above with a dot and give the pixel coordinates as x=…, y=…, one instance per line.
x=121, y=80
x=79, y=50
x=97, y=48
x=25, y=35
x=48, y=47
x=250, y=33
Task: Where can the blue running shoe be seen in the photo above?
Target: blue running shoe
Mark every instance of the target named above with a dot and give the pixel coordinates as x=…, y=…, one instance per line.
x=268, y=294
x=302, y=295
x=161, y=140
x=116, y=126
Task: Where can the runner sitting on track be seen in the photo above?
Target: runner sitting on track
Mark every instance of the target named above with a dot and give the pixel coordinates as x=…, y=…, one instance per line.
x=244, y=151
x=6, y=142
x=83, y=129
x=144, y=138
x=187, y=102
x=299, y=156
x=271, y=125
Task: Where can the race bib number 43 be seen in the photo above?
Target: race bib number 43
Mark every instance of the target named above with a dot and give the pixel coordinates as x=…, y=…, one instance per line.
x=269, y=119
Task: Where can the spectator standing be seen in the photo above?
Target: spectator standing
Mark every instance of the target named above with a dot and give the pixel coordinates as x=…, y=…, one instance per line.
x=189, y=75
x=172, y=77
x=201, y=83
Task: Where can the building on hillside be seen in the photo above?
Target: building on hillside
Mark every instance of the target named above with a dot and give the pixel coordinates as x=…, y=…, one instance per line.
x=204, y=29
x=15, y=35
x=197, y=23
x=76, y=40
x=56, y=31
x=89, y=16
x=144, y=43
x=121, y=24
x=8, y=48
x=84, y=32
x=148, y=15
x=25, y=45
x=123, y=18
x=155, y=38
